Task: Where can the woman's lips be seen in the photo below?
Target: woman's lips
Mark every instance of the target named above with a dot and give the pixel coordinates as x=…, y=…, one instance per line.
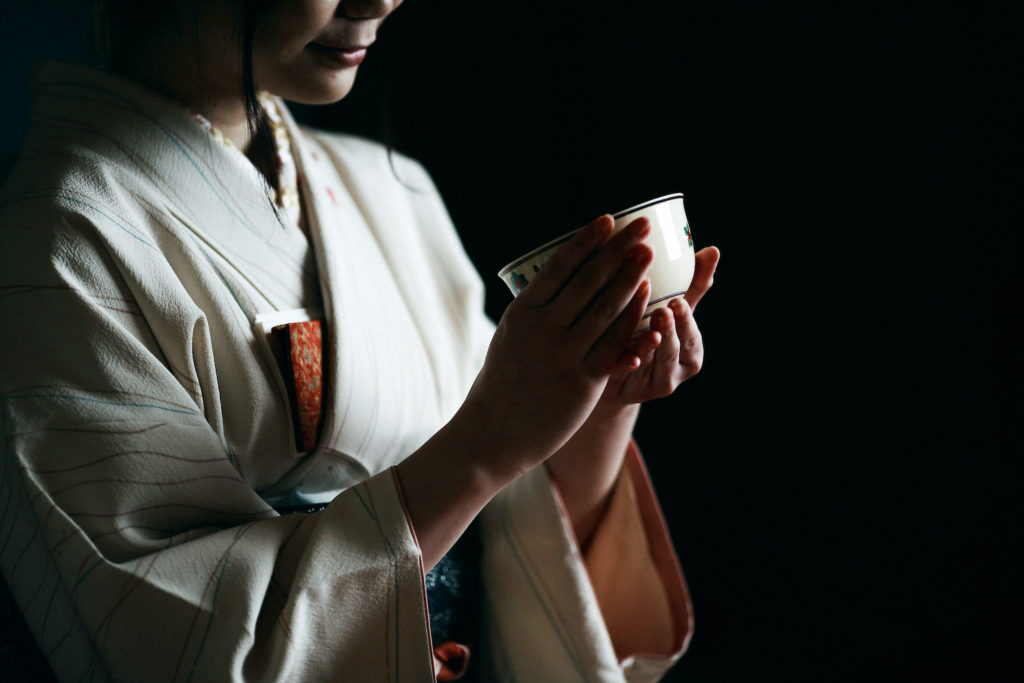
x=341, y=56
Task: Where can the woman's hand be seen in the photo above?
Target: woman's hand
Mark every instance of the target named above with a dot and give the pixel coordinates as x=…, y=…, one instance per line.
x=561, y=340
x=670, y=352
x=547, y=367
x=658, y=360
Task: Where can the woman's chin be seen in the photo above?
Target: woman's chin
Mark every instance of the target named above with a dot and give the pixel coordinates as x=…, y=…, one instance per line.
x=329, y=88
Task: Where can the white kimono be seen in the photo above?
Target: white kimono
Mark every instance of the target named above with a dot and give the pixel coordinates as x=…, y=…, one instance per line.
x=147, y=431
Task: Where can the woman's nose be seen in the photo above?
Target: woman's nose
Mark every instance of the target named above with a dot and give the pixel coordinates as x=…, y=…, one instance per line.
x=367, y=9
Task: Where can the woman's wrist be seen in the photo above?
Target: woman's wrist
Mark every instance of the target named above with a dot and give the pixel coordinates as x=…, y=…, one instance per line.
x=586, y=468
x=449, y=480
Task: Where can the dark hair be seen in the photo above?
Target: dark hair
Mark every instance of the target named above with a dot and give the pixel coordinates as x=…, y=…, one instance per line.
x=112, y=24
x=262, y=149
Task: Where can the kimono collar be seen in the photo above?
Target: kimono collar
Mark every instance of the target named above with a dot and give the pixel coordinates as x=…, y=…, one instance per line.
x=287, y=197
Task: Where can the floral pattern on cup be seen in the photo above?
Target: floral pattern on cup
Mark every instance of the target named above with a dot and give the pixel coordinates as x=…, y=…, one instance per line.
x=519, y=281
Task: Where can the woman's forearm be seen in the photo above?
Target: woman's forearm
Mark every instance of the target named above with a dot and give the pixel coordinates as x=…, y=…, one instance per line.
x=446, y=483
x=586, y=468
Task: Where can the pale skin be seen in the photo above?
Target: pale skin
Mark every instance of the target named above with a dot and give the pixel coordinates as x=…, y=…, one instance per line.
x=568, y=336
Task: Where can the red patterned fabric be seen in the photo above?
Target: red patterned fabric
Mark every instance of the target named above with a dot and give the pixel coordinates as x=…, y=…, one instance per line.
x=450, y=661
x=299, y=349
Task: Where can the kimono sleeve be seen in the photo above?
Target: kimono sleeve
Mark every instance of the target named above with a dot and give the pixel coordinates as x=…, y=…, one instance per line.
x=133, y=545
x=552, y=613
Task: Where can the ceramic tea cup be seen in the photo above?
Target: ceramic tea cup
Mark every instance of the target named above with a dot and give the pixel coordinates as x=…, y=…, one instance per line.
x=671, y=271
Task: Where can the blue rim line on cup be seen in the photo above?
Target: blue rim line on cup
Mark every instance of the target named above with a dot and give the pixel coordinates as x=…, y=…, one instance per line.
x=658, y=301
x=644, y=205
x=565, y=238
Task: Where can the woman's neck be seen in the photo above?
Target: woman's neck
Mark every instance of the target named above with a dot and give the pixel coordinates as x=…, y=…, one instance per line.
x=164, y=67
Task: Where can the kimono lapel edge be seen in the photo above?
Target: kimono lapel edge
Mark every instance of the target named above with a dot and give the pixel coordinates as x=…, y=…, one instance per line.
x=322, y=242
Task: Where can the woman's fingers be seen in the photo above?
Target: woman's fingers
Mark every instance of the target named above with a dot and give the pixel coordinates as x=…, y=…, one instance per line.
x=606, y=355
x=596, y=271
x=706, y=260
x=566, y=260
x=691, y=345
x=596, y=274
x=596, y=294
x=608, y=304
x=664, y=364
x=639, y=352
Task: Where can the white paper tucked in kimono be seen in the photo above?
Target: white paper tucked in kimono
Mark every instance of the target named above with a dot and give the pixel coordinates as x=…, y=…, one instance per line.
x=147, y=430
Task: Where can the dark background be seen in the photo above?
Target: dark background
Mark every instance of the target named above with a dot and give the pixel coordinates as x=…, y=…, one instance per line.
x=843, y=478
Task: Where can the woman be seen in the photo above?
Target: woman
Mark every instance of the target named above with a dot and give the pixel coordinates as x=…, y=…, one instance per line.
x=178, y=255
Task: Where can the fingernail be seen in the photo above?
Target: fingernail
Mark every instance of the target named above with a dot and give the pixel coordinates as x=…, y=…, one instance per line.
x=666, y=322
x=631, y=361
